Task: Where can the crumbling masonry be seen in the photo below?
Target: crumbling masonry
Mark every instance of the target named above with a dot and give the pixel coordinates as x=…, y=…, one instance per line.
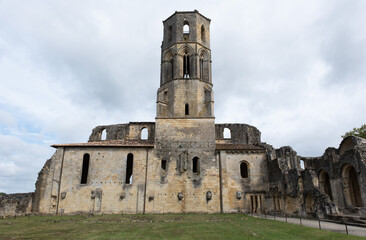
x=184, y=162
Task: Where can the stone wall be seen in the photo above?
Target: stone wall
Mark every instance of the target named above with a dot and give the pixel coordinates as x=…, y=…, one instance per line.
x=128, y=131
x=16, y=204
x=240, y=133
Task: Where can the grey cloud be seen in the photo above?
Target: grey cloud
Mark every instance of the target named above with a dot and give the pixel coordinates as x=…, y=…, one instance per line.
x=294, y=69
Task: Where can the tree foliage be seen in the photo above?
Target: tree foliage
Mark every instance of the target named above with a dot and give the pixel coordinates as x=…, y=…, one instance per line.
x=359, y=132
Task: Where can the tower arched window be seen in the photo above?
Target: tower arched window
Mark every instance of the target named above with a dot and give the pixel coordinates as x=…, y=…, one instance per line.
x=172, y=67
x=186, y=67
x=187, y=109
x=185, y=28
x=244, y=173
x=203, y=33
x=85, y=169
x=129, y=168
x=170, y=33
x=201, y=66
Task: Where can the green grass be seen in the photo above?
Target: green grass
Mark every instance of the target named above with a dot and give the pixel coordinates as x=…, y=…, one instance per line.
x=188, y=226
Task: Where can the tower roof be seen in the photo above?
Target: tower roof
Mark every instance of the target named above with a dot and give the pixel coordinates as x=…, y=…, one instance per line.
x=182, y=12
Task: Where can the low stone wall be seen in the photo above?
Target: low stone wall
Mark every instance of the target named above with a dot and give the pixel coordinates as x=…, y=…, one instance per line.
x=16, y=204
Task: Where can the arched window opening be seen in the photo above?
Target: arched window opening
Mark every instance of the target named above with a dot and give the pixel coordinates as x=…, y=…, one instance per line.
x=165, y=96
x=163, y=164
x=144, y=134
x=187, y=109
x=227, y=133
x=185, y=28
x=324, y=183
x=207, y=96
x=172, y=67
x=302, y=164
x=103, y=135
x=309, y=203
x=244, y=170
x=170, y=33
x=186, y=68
x=85, y=170
x=201, y=66
x=351, y=187
x=196, y=165
x=129, y=168
x=203, y=34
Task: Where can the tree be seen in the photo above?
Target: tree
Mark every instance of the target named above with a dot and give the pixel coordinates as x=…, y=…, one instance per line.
x=359, y=132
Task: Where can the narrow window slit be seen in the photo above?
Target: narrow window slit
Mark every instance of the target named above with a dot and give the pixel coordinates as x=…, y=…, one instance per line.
x=85, y=170
x=129, y=168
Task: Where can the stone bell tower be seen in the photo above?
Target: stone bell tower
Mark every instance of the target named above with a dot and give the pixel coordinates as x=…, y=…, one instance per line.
x=185, y=83
x=185, y=124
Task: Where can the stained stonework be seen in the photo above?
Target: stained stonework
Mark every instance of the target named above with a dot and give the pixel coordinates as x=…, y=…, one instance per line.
x=188, y=163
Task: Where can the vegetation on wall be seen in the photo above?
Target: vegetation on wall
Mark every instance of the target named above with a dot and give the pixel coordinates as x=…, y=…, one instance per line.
x=358, y=132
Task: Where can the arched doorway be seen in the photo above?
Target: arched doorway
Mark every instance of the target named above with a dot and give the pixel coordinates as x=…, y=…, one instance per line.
x=351, y=188
x=324, y=184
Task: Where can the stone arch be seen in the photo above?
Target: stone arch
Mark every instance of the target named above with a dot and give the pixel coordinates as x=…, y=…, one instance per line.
x=202, y=52
x=168, y=66
x=351, y=187
x=185, y=61
x=168, y=55
x=324, y=183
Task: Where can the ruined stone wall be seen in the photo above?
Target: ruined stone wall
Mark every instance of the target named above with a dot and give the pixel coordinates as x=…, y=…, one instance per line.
x=337, y=163
x=47, y=187
x=238, y=192
x=130, y=131
x=15, y=204
x=240, y=133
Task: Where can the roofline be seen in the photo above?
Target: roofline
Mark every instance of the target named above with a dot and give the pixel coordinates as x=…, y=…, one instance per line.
x=86, y=145
x=195, y=11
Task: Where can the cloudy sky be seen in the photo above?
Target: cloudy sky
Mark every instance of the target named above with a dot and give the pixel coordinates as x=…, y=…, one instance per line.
x=294, y=69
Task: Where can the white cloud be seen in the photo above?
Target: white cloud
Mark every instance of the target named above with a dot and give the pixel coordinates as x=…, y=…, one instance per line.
x=294, y=69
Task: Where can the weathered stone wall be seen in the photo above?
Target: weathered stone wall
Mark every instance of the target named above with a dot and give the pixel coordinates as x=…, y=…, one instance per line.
x=130, y=131
x=179, y=141
x=238, y=192
x=106, y=189
x=240, y=133
x=15, y=204
x=173, y=97
x=337, y=164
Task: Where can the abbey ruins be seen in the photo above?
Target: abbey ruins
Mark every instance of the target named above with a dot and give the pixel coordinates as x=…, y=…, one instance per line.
x=185, y=162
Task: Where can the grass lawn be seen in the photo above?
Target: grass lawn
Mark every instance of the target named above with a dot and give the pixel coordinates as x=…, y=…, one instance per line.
x=174, y=226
